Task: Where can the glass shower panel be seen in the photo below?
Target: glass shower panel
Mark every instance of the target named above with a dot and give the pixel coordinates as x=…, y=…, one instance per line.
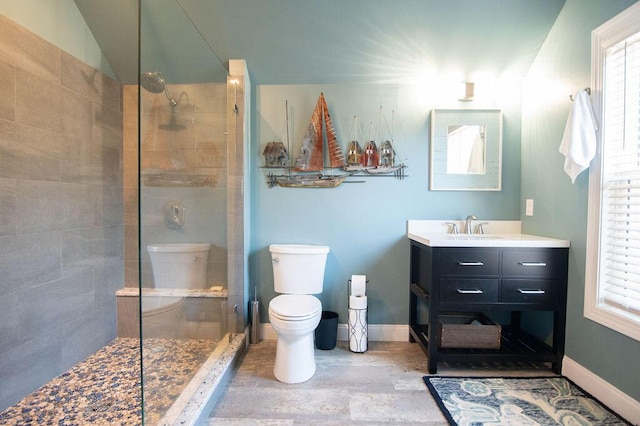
x=183, y=212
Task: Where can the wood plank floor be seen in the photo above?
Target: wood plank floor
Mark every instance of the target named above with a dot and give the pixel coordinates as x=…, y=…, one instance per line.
x=380, y=386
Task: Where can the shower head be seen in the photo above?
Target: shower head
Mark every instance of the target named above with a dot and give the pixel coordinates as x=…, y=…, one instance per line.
x=154, y=83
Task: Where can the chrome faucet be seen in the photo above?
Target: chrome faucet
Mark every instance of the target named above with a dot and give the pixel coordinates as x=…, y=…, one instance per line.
x=453, y=228
x=467, y=224
x=480, y=227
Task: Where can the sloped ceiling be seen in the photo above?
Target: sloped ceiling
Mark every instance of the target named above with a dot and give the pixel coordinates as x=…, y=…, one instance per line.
x=114, y=25
x=328, y=41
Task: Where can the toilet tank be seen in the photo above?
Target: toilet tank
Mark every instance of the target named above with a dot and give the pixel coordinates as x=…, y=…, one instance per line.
x=298, y=268
x=181, y=265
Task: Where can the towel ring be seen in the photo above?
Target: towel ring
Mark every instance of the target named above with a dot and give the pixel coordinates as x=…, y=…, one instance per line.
x=586, y=89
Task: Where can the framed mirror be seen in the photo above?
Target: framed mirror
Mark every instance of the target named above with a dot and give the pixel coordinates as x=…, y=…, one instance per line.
x=466, y=150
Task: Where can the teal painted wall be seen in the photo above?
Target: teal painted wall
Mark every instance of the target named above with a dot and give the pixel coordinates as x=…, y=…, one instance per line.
x=364, y=224
x=562, y=67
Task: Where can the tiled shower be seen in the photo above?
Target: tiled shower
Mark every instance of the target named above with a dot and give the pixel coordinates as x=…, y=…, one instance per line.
x=62, y=228
x=74, y=222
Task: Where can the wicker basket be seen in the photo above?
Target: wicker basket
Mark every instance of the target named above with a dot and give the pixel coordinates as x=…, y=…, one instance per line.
x=463, y=331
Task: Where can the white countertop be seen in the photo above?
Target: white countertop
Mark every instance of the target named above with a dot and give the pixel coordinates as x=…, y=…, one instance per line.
x=434, y=234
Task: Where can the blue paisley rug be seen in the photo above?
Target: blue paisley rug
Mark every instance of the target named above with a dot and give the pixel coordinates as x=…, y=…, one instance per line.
x=481, y=401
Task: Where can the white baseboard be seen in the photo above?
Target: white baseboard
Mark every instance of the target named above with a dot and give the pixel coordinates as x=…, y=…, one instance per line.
x=611, y=396
x=377, y=332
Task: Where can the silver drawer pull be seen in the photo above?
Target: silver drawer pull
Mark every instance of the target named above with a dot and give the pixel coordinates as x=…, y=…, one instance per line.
x=475, y=291
x=532, y=263
x=530, y=291
x=470, y=263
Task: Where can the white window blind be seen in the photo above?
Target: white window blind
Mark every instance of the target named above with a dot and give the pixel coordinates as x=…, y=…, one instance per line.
x=619, y=276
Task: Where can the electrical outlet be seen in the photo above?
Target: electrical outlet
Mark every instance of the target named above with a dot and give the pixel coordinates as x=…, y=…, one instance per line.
x=528, y=207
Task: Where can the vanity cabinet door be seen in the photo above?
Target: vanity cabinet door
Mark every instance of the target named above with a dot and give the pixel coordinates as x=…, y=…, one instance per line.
x=547, y=293
x=469, y=291
x=542, y=263
x=470, y=262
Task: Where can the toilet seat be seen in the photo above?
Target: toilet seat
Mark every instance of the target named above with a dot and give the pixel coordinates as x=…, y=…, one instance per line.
x=295, y=307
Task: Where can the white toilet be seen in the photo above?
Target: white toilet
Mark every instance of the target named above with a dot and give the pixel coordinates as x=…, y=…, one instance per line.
x=298, y=272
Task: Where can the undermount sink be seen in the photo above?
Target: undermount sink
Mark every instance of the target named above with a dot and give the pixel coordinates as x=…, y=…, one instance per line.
x=434, y=234
x=473, y=237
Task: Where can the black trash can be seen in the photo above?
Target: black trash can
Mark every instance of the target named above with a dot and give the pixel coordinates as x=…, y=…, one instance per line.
x=327, y=331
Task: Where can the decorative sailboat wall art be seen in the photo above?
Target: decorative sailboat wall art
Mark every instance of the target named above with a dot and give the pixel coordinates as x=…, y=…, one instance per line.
x=311, y=155
x=309, y=164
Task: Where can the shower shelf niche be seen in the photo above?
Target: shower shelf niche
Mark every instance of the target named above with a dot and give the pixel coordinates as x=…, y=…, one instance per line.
x=160, y=179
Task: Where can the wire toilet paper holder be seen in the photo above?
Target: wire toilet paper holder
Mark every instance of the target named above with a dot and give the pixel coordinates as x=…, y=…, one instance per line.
x=358, y=329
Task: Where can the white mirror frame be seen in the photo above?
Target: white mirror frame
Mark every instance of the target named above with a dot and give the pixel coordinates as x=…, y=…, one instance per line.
x=441, y=119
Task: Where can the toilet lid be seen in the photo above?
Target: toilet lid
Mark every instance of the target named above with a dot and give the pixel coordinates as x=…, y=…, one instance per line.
x=295, y=305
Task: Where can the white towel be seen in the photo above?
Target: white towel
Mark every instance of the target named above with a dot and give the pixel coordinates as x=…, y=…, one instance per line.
x=579, y=140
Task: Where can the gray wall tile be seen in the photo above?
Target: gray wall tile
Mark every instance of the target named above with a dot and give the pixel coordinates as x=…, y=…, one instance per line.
x=55, y=304
x=9, y=320
x=86, y=332
x=8, y=90
x=44, y=104
x=46, y=206
x=108, y=125
x=28, y=152
x=26, y=367
x=61, y=204
x=92, y=246
x=109, y=208
x=29, y=259
x=8, y=224
x=84, y=161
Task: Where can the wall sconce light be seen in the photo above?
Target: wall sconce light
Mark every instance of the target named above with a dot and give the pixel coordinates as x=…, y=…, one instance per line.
x=469, y=91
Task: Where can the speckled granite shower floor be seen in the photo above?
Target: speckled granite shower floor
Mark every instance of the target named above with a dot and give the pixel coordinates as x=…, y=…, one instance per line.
x=104, y=389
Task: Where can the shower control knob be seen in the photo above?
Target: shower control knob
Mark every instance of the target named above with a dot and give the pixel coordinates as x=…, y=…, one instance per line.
x=196, y=258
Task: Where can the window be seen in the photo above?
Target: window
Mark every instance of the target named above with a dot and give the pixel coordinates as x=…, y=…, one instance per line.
x=612, y=293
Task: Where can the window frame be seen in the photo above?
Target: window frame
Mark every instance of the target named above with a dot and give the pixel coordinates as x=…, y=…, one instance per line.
x=619, y=28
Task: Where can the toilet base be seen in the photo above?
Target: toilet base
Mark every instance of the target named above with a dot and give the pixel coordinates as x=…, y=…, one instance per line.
x=295, y=359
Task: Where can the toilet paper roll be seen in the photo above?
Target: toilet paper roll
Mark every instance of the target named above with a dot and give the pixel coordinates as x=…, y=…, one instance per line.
x=358, y=285
x=358, y=302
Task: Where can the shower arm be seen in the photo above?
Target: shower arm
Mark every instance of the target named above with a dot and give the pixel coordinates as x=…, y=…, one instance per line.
x=172, y=101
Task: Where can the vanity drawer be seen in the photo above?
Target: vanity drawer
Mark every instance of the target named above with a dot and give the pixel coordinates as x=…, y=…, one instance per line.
x=546, y=292
x=469, y=291
x=535, y=263
x=470, y=262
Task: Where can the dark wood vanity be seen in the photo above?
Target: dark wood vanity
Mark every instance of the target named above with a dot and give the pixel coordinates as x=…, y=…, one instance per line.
x=446, y=280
